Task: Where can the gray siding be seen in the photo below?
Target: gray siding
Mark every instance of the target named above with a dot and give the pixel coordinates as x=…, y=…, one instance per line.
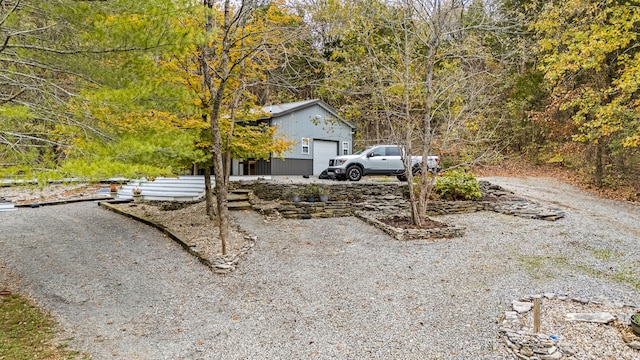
x=314, y=123
x=263, y=167
x=291, y=167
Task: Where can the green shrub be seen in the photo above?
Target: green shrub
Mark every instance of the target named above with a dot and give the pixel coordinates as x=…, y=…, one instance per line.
x=458, y=185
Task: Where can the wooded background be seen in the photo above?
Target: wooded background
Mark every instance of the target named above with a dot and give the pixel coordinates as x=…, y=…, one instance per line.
x=122, y=88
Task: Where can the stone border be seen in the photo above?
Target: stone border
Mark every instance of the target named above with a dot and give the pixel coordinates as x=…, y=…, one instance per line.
x=526, y=345
x=411, y=234
x=219, y=264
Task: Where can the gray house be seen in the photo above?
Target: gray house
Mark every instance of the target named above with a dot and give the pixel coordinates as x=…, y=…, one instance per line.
x=320, y=134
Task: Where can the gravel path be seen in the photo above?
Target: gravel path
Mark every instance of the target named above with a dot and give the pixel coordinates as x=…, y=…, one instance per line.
x=321, y=288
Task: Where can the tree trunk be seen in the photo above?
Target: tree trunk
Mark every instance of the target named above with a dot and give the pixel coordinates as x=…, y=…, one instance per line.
x=221, y=194
x=599, y=173
x=217, y=93
x=221, y=187
x=207, y=192
x=425, y=183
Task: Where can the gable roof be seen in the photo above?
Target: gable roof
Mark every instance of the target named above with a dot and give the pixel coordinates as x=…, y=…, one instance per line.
x=288, y=108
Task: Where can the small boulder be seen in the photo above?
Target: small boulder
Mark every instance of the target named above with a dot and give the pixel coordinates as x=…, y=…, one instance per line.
x=521, y=306
x=601, y=318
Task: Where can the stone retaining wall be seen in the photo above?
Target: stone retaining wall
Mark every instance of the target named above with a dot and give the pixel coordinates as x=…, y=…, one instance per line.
x=380, y=199
x=337, y=191
x=291, y=210
x=347, y=197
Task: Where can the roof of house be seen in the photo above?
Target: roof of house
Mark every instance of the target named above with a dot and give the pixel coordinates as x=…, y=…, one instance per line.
x=278, y=110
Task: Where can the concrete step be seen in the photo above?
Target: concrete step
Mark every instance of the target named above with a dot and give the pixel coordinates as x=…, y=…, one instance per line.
x=167, y=189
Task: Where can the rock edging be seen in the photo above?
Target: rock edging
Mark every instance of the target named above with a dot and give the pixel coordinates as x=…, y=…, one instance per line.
x=411, y=234
x=525, y=345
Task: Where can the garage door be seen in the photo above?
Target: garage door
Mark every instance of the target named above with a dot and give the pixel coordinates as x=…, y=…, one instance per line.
x=322, y=152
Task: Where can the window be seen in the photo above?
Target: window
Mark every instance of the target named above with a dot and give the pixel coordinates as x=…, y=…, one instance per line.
x=377, y=152
x=393, y=151
x=305, y=145
x=345, y=148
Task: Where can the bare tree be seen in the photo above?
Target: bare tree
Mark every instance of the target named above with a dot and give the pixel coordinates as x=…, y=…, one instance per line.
x=430, y=78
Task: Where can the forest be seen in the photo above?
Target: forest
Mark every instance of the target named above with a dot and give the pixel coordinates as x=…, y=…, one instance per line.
x=119, y=88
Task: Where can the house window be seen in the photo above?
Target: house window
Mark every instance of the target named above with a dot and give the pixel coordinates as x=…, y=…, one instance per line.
x=345, y=148
x=305, y=145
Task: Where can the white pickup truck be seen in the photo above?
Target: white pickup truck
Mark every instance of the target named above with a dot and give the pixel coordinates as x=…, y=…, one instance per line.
x=377, y=160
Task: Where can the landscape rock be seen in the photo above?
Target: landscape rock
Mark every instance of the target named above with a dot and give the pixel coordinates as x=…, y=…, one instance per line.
x=524, y=344
x=520, y=306
x=601, y=318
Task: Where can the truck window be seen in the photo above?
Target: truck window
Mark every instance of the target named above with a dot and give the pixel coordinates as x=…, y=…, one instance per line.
x=393, y=151
x=377, y=152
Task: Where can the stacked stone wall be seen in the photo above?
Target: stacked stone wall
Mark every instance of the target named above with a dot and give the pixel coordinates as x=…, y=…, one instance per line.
x=345, y=198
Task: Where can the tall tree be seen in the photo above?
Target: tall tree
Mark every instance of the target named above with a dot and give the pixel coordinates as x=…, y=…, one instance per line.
x=239, y=36
x=74, y=69
x=591, y=60
x=35, y=84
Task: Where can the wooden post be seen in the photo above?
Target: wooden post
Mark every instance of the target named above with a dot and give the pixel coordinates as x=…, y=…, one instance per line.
x=536, y=315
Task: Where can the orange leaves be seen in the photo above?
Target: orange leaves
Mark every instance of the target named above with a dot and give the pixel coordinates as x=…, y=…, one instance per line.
x=586, y=55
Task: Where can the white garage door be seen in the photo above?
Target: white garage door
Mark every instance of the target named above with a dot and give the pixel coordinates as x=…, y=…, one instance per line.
x=323, y=151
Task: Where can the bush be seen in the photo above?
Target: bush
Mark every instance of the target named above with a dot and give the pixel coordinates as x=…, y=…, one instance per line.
x=458, y=185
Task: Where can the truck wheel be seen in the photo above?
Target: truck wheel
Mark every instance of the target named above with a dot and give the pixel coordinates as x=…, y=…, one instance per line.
x=354, y=173
x=402, y=178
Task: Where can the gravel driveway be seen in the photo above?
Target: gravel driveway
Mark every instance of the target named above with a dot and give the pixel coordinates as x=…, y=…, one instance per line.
x=321, y=288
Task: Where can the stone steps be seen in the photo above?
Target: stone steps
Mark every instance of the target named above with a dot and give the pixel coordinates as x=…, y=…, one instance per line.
x=239, y=200
x=239, y=205
x=232, y=196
